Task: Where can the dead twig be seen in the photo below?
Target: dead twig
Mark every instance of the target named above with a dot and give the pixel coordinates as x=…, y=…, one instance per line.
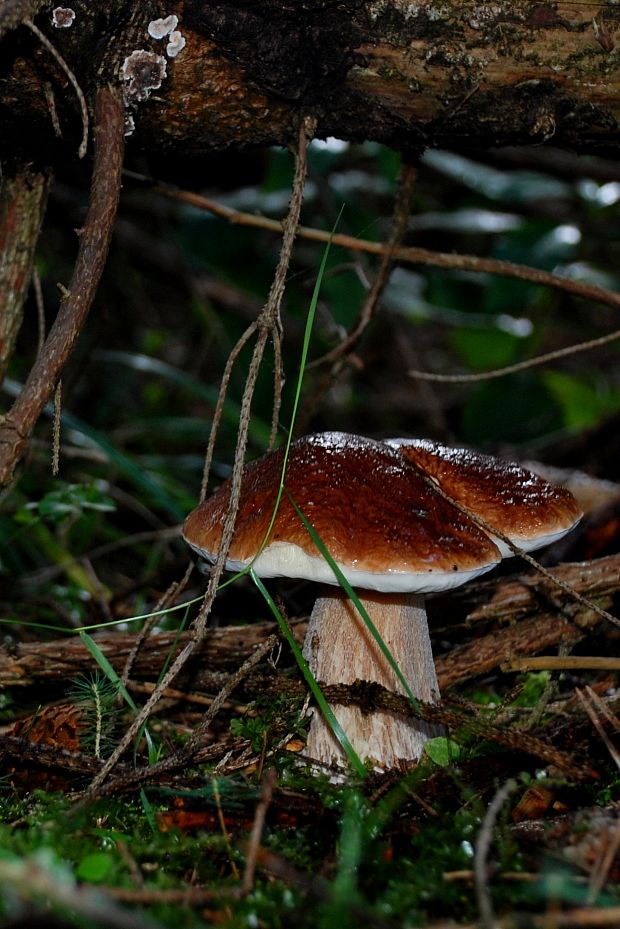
x=400, y=219
x=190, y=750
x=175, y=590
x=563, y=663
x=269, y=782
x=491, y=530
x=33, y=881
x=602, y=866
x=587, y=704
x=481, y=853
x=519, y=366
x=56, y=429
x=513, y=607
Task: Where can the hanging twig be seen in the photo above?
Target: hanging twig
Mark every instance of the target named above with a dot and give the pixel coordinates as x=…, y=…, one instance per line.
x=93, y=249
x=175, y=590
x=56, y=429
x=516, y=550
x=43, y=39
x=269, y=318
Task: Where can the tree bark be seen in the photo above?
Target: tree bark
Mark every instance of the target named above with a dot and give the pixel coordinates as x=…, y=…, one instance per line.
x=95, y=237
x=22, y=205
x=455, y=73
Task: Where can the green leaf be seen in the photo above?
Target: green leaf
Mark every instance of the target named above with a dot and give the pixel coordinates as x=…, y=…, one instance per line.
x=95, y=868
x=482, y=349
x=582, y=402
x=442, y=751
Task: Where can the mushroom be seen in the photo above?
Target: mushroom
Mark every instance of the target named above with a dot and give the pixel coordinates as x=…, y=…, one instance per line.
x=393, y=536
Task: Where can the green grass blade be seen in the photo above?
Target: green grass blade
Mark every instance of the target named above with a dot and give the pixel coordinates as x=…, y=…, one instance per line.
x=149, y=813
x=111, y=674
x=343, y=582
x=300, y=378
x=107, y=669
x=326, y=710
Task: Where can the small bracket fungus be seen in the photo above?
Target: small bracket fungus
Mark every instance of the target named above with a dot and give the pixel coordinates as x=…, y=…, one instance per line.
x=395, y=538
x=176, y=44
x=144, y=72
x=160, y=28
x=167, y=27
x=62, y=17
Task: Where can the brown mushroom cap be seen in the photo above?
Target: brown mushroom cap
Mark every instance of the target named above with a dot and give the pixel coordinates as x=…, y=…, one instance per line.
x=379, y=519
x=523, y=506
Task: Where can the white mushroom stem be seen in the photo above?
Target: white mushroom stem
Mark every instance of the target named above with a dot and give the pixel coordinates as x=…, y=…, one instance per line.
x=340, y=649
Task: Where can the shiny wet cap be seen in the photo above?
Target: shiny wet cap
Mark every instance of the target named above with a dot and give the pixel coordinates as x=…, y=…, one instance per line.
x=379, y=518
x=527, y=509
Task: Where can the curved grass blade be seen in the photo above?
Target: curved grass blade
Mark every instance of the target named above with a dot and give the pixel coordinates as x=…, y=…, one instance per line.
x=317, y=693
x=111, y=674
x=350, y=592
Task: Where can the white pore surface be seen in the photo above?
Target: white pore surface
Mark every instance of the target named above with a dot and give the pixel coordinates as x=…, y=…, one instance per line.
x=528, y=544
x=283, y=559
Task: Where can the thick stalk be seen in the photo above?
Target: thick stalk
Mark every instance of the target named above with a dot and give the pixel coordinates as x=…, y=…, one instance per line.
x=340, y=649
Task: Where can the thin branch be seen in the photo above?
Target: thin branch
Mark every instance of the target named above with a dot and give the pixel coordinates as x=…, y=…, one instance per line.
x=174, y=590
x=186, y=754
x=483, y=844
x=219, y=406
x=519, y=366
x=563, y=663
x=94, y=244
x=40, y=305
x=408, y=254
x=56, y=429
x=589, y=709
x=31, y=880
x=43, y=39
x=600, y=872
x=233, y=682
x=516, y=550
x=270, y=780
